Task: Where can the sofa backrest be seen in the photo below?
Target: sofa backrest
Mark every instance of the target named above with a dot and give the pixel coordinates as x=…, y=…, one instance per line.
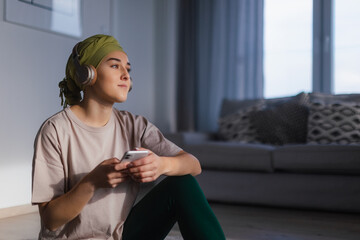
x=303, y=118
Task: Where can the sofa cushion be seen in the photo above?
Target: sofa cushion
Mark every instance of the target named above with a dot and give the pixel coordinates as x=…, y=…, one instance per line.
x=232, y=156
x=230, y=106
x=337, y=122
x=271, y=121
x=326, y=98
x=302, y=98
x=238, y=127
x=282, y=123
x=327, y=159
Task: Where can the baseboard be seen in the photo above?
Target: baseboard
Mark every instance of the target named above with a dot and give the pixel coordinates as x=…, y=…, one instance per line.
x=17, y=210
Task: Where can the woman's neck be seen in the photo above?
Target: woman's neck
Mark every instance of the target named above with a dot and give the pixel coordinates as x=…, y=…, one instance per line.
x=92, y=113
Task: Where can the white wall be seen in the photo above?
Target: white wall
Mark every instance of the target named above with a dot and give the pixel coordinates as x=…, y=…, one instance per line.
x=32, y=62
x=31, y=65
x=147, y=31
x=134, y=29
x=165, y=64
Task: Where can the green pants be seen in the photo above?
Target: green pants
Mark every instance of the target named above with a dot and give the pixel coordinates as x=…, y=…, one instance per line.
x=175, y=199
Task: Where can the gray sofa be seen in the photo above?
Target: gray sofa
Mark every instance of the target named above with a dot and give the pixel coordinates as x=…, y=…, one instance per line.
x=316, y=170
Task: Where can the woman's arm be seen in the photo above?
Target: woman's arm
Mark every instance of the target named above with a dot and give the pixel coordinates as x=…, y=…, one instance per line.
x=63, y=209
x=148, y=169
x=183, y=163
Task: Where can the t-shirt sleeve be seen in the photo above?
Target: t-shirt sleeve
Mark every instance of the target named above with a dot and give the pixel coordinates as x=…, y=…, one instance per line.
x=48, y=171
x=154, y=140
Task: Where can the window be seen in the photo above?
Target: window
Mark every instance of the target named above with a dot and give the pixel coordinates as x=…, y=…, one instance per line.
x=346, y=46
x=311, y=45
x=287, y=47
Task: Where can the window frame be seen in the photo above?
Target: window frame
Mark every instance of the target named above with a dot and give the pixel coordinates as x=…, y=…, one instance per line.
x=323, y=50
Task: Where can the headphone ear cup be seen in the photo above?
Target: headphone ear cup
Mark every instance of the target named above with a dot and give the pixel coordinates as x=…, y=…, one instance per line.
x=86, y=75
x=93, y=75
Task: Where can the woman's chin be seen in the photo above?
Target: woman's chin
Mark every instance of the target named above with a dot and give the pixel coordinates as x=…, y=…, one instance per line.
x=121, y=99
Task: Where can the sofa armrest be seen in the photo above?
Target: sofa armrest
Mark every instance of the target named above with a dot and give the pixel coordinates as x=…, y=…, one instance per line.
x=185, y=138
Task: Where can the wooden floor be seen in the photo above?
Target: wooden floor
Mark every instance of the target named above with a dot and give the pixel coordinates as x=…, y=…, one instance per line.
x=238, y=222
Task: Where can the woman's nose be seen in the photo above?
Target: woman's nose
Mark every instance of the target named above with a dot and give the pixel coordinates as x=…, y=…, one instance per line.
x=125, y=75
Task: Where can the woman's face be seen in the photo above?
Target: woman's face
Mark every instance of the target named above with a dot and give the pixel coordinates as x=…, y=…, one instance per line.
x=113, y=79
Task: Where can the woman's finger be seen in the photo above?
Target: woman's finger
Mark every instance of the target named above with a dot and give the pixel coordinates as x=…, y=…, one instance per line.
x=115, y=181
x=144, y=174
x=143, y=168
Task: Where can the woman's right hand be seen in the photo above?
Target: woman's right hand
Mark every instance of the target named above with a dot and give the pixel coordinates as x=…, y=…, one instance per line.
x=108, y=174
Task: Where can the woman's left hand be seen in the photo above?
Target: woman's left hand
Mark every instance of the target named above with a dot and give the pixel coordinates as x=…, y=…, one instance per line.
x=147, y=169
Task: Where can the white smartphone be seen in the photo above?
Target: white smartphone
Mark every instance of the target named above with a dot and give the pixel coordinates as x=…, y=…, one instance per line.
x=134, y=155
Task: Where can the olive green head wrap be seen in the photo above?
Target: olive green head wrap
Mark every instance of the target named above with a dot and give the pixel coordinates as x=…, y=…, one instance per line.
x=91, y=51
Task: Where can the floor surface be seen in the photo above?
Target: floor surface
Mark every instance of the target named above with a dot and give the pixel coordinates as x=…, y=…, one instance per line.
x=238, y=222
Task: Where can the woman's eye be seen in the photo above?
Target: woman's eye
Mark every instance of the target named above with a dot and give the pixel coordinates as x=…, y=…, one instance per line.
x=115, y=66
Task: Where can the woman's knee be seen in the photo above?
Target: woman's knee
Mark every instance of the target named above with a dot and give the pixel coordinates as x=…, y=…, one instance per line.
x=186, y=184
x=180, y=181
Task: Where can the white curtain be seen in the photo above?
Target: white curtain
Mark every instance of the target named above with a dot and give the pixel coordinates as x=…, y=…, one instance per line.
x=220, y=56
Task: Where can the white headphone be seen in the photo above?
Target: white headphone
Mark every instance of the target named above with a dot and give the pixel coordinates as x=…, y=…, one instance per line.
x=85, y=74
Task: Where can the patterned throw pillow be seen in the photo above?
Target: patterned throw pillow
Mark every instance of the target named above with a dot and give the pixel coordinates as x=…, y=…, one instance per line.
x=283, y=120
x=327, y=98
x=237, y=127
x=284, y=124
x=274, y=121
x=337, y=122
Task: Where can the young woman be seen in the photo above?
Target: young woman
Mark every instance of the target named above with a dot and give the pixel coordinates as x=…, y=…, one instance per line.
x=82, y=188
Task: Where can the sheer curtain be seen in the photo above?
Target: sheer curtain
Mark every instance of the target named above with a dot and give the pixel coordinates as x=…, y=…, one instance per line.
x=220, y=56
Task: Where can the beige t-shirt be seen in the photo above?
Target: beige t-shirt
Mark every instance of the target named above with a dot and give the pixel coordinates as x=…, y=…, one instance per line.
x=66, y=150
